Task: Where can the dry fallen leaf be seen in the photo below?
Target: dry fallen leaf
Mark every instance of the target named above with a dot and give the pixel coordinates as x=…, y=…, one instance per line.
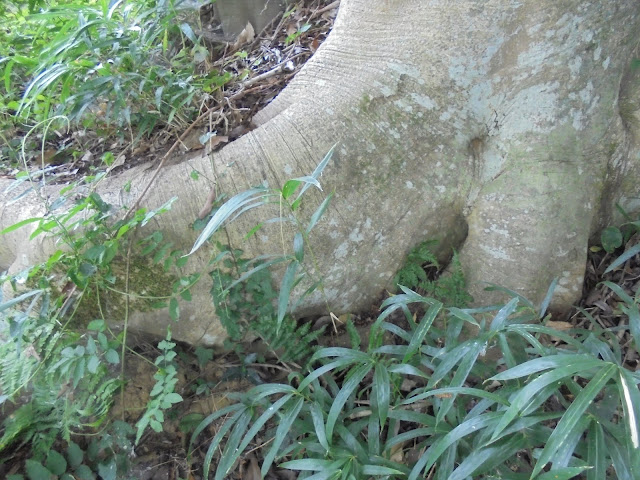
x=246, y=36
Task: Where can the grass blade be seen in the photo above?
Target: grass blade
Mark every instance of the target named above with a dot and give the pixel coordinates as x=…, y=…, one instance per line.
x=524, y=396
x=381, y=392
x=318, y=213
x=285, y=291
x=572, y=416
x=418, y=336
x=283, y=429
x=596, y=452
x=353, y=380
x=234, y=204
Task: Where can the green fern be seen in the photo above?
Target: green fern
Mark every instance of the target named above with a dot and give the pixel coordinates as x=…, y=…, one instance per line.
x=450, y=289
x=292, y=342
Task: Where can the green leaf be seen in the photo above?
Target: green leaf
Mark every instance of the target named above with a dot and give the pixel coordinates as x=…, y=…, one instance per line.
x=631, y=252
x=611, y=238
x=56, y=463
x=259, y=423
x=227, y=458
x=547, y=299
x=468, y=427
x=379, y=470
x=488, y=458
x=298, y=247
x=630, y=397
x=421, y=332
x=574, y=413
x=564, y=473
x=522, y=399
x=289, y=188
x=381, y=392
x=286, y=421
x=83, y=472
x=318, y=424
x=93, y=364
x=353, y=380
x=112, y=356
x=318, y=213
x=174, y=309
x=235, y=204
x=596, y=452
x=35, y=471
x=546, y=363
x=285, y=291
x=74, y=455
x=318, y=171
x=108, y=470
x=503, y=314
x=18, y=225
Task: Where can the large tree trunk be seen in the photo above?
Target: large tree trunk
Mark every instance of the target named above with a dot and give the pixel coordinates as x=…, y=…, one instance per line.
x=505, y=129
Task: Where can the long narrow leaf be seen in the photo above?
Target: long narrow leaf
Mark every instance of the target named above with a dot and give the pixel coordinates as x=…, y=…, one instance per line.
x=546, y=363
x=285, y=291
x=434, y=452
x=630, y=404
x=503, y=314
x=234, y=204
x=523, y=398
x=228, y=457
x=353, y=380
x=418, y=336
x=318, y=213
x=573, y=414
x=288, y=417
x=596, y=452
x=381, y=392
x=623, y=258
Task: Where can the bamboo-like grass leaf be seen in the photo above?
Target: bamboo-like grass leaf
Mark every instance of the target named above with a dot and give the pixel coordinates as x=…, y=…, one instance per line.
x=353, y=380
x=381, y=391
x=318, y=213
x=234, y=204
x=418, y=336
x=379, y=470
x=630, y=405
x=572, y=416
x=545, y=363
x=634, y=322
x=596, y=452
x=260, y=421
x=523, y=398
x=547, y=299
x=285, y=291
x=468, y=427
x=318, y=170
x=462, y=372
x=564, y=473
x=503, y=314
x=288, y=417
x=485, y=459
x=318, y=424
x=341, y=362
x=239, y=409
x=228, y=457
x=451, y=359
x=633, y=251
x=450, y=391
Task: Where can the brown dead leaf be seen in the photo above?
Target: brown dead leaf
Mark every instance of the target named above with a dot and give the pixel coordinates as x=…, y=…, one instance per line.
x=560, y=326
x=253, y=470
x=246, y=36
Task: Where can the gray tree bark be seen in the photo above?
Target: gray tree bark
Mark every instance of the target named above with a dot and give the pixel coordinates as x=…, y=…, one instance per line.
x=508, y=130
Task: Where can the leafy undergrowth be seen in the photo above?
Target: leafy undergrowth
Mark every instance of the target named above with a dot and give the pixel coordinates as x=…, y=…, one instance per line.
x=134, y=97
x=409, y=398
